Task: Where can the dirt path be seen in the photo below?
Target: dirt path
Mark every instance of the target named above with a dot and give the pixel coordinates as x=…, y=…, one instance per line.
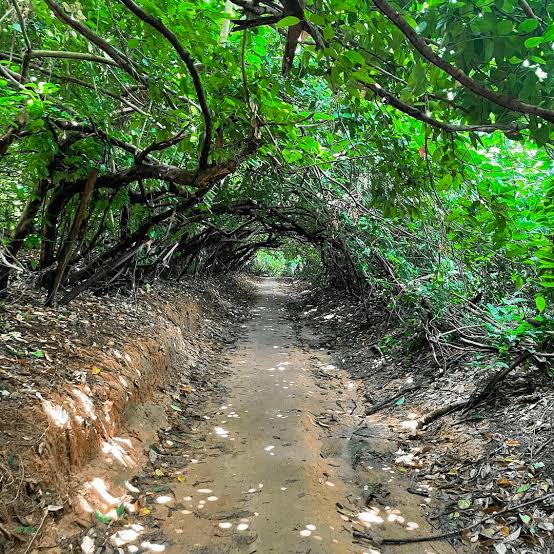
x=278, y=456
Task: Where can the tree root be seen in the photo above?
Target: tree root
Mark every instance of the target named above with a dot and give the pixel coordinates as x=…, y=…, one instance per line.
x=477, y=397
x=442, y=411
x=428, y=538
x=392, y=399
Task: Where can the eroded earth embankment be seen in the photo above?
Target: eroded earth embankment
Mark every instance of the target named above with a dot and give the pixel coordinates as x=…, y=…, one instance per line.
x=84, y=392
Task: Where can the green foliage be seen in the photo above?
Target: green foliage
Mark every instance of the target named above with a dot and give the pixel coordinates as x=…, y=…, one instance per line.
x=287, y=260
x=363, y=166
x=273, y=263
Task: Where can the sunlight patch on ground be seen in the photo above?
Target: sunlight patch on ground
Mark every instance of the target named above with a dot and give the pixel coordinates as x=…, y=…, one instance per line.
x=99, y=486
x=152, y=547
x=117, y=452
x=126, y=536
x=370, y=517
x=221, y=432
x=85, y=506
x=242, y=526
x=86, y=402
x=57, y=414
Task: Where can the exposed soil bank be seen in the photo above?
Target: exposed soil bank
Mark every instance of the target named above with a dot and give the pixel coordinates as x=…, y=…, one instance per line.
x=263, y=446
x=85, y=390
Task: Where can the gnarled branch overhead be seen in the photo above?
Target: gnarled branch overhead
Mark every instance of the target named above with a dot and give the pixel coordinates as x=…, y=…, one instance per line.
x=117, y=56
x=189, y=63
x=206, y=152
x=478, y=88
x=398, y=157
x=414, y=112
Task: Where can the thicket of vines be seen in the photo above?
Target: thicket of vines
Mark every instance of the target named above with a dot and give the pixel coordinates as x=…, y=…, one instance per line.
x=409, y=145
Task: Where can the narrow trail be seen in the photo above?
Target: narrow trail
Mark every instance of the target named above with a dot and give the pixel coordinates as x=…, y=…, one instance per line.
x=279, y=455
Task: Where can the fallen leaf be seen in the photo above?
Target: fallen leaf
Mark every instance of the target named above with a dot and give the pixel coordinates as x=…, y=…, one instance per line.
x=488, y=532
x=525, y=518
x=503, y=482
x=513, y=536
x=464, y=503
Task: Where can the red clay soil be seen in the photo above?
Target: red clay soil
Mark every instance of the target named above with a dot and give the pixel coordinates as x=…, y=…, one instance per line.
x=69, y=376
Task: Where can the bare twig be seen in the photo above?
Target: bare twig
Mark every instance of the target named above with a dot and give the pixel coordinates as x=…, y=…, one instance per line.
x=35, y=536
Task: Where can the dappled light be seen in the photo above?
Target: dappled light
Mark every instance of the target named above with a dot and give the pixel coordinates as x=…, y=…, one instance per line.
x=116, y=449
x=276, y=276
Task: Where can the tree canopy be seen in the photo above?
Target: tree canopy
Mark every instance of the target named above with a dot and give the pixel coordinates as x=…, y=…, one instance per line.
x=407, y=147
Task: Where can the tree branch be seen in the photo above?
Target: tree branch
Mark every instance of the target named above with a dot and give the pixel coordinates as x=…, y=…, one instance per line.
x=189, y=63
x=28, y=47
x=527, y=9
x=121, y=60
x=414, y=112
x=478, y=88
x=72, y=56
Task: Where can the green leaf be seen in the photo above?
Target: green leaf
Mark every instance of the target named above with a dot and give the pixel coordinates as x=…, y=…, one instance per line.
x=523, y=488
x=505, y=27
x=540, y=302
x=102, y=518
x=176, y=408
x=400, y=401
x=528, y=25
x=38, y=354
x=287, y=21
x=525, y=518
x=533, y=42
x=363, y=76
x=464, y=503
x=120, y=510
